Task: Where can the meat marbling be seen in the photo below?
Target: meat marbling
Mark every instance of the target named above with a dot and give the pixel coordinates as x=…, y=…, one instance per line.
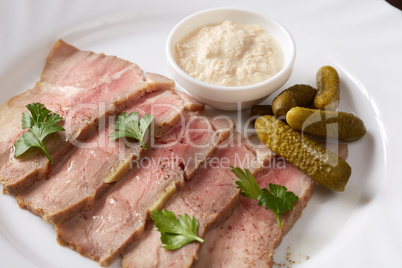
x=209, y=197
x=81, y=86
x=103, y=232
x=77, y=180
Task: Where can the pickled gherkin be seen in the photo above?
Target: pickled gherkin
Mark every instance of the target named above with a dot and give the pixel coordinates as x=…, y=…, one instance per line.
x=328, y=89
x=326, y=124
x=312, y=158
x=297, y=95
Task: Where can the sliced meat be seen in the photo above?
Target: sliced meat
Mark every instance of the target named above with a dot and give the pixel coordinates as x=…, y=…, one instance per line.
x=190, y=102
x=78, y=179
x=103, y=232
x=169, y=108
x=83, y=87
x=209, y=196
x=250, y=235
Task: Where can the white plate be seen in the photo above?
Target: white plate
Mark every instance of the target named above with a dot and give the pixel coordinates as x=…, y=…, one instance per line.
x=362, y=39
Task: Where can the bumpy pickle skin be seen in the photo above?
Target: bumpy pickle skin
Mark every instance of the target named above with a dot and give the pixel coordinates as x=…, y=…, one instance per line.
x=328, y=89
x=312, y=158
x=297, y=95
x=326, y=124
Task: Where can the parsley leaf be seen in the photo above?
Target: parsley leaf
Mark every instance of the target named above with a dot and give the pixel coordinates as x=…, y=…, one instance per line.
x=175, y=232
x=127, y=125
x=247, y=184
x=40, y=123
x=277, y=199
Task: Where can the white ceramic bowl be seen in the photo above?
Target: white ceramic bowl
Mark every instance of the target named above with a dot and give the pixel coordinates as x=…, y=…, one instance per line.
x=224, y=97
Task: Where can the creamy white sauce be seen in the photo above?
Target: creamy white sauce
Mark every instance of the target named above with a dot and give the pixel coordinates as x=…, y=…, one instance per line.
x=229, y=54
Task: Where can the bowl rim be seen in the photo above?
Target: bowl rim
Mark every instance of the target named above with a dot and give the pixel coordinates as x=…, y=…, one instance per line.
x=288, y=64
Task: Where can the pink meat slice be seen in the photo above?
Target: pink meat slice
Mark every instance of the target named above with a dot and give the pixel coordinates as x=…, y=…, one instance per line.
x=209, y=197
x=250, y=235
x=81, y=86
x=77, y=181
x=103, y=232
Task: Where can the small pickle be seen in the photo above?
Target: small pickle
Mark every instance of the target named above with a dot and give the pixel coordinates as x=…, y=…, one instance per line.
x=297, y=95
x=312, y=158
x=326, y=124
x=327, y=97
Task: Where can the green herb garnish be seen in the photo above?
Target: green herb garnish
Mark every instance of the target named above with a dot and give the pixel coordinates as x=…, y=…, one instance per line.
x=40, y=123
x=175, y=232
x=277, y=199
x=127, y=125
